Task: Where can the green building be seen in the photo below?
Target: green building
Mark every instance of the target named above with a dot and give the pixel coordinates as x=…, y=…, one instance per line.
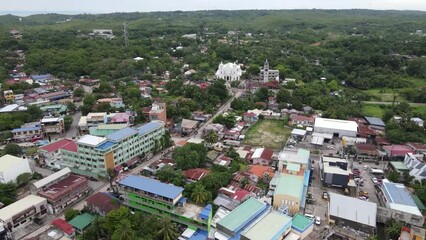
x=93, y=155
x=154, y=197
x=103, y=130
x=54, y=110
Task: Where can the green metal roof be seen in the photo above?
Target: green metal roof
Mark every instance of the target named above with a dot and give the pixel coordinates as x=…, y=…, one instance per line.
x=400, y=166
x=240, y=214
x=419, y=203
x=273, y=222
x=82, y=221
x=293, y=167
x=291, y=185
x=300, y=221
x=58, y=107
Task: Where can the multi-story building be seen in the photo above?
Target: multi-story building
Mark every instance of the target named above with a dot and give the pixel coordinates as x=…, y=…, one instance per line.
x=158, y=112
x=267, y=74
x=52, y=125
x=160, y=199
x=92, y=120
x=27, y=132
x=61, y=189
x=20, y=213
x=94, y=155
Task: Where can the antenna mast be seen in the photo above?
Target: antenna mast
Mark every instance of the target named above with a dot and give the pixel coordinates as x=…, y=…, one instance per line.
x=126, y=38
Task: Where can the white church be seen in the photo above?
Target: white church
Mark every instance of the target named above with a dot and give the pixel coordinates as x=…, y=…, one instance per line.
x=229, y=72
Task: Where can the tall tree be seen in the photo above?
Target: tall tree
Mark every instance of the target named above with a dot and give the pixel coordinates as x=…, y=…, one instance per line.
x=168, y=229
x=124, y=231
x=211, y=137
x=200, y=194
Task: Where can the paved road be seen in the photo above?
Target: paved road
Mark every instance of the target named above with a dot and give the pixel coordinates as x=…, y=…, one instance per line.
x=100, y=187
x=73, y=132
x=236, y=93
x=390, y=103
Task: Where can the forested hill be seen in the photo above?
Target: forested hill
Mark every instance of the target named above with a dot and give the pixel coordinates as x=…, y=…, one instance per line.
x=364, y=48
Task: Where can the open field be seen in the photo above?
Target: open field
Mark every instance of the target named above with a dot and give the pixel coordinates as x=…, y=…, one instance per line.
x=373, y=111
x=267, y=133
x=384, y=95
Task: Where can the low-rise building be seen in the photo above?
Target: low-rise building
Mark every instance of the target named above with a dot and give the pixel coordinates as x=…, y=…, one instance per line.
x=82, y=222
x=52, y=125
x=113, y=102
x=375, y=123
x=416, y=164
x=334, y=171
x=188, y=126
x=301, y=227
x=195, y=174
x=102, y=203
x=301, y=120
x=262, y=156
x=50, y=153
x=27, y=133
x=54, y=110
x=61, y=189
x=11, y=167
x=160, y=199
x=22, y=212
x=352, y=212
x=418, y=148
x=336, y=127
x=289, y=193
x=239, y=219
x=273, y=226
x=397, y=152
x=64, y=227
x=366, y=152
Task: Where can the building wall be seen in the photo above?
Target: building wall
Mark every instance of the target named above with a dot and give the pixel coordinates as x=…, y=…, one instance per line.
x=25, y=217
x=305, y=233
x=12, y=173
x=260, y=161
x=340, y=133
x=26, y=135
x=355, y=225
x=293, y=203
x=69, y=198
x=336, y=179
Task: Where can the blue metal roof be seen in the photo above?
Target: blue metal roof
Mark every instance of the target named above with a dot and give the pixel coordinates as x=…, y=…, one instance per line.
x=26, y=129
x=122, y=133
x=38, y=77
x=152, y=186
x=105, y=145
x=399, y=194
x=375, y=121
x=149, y=127
x=205, y=213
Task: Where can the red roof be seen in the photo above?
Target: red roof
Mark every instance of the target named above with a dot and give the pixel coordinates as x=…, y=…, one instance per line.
x=267, y=154
x=382, y=141
x=417, y=146
x=397, y=150
x=366, y=148
x=52, y=147
x=252, y=188
x=63, y=225
x=261, y=171
x=72, y=147
x=240, y=194
x=65, y=187
x=365, y=131
x=196, y=173
x=103, y=202
x=249, y=114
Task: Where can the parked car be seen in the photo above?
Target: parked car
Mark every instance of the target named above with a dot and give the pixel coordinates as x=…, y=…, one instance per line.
x=317, y=220
x=366, y=167
x=374, y=180
x=325, y=196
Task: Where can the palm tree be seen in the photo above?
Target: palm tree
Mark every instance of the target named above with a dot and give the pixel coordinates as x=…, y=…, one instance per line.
x=373, y=237
x=124, y=231
x=168, y=229
x=111, y=175
x=199, y=194
x=211, y=137
x=393, y=228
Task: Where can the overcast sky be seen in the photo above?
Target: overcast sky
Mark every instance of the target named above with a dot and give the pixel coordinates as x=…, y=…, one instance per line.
x=108, y=6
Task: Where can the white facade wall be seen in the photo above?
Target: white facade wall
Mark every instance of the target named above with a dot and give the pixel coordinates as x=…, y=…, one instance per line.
x=332, y=131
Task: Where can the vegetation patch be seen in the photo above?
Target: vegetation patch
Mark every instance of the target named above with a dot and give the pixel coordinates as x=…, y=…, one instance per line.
x=267, y=133
x=373, y=111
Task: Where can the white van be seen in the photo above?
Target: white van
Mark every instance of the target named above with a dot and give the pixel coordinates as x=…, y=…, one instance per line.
x=309, y=216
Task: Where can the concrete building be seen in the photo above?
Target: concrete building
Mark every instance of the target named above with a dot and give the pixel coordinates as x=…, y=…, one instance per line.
x=11, y=167
x=188, y=126
x=61, y=189
x=288, y=193
x=334, y=171
x=94, y=155
x=27, y=133
x=52, y=125
x=54, y=110
x=267, y=74
x=113, y=102
x=103, y=130
x=229, y=72
x=352, y=212
x=160, y=199
x=158, y=112
x=301, y=227
x=366, y=152
x=336, y=127
x=233, y=224
x=50, y=153
x=22, y=212
x=273, y=226
x=416, y=164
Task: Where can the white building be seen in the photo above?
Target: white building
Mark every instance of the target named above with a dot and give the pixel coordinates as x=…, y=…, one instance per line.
x=229, y=72
x=22, y=212
x=416, y=164
x=336, y=127
x=267, y=74
x=11, y=167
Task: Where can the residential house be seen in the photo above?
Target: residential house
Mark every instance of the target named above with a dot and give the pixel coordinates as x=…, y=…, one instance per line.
x=307, y=109
x=102, y=203
x=262, y=156
x=215, y=127
x=417, y=147
x=397, y=152
x=82, y=222
x=113, y=102
x=27, y=132
x=201, y=116
x=223, y=161
x=231, y=198
x=301, y=120
x=250, y=117
x=416, y=164
x=52, y=125
x=195, y=174
x=366, y=152
x=154, y=167
x=64, y=227
x=375, y=123
x=50, y=153
x=188, y=126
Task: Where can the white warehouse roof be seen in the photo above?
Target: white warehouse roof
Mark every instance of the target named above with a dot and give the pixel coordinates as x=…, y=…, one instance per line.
x=43, y=182
x=8, y=162
x=337, y=124
x=353, y=209
x=91, y=140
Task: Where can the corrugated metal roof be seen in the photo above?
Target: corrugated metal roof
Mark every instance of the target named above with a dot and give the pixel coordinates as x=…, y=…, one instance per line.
x=149, y=127
x=398, y=194
x=274, y=222
x=19, y=206
x=291, y=185
x=152, y=186
x=105, y=145
x=375, y=121
x=26, y=129
x=43, y=182
x=359, y=211
x=122, y=133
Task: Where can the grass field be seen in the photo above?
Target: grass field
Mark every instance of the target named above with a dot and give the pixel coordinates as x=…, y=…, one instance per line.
x=267, y=133
x=373, y=111
x=384, y=95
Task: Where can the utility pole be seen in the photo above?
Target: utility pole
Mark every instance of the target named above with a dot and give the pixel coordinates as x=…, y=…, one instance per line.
x=126, y=37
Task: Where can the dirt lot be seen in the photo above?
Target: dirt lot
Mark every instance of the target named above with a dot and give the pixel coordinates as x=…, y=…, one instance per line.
x=267, y=133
